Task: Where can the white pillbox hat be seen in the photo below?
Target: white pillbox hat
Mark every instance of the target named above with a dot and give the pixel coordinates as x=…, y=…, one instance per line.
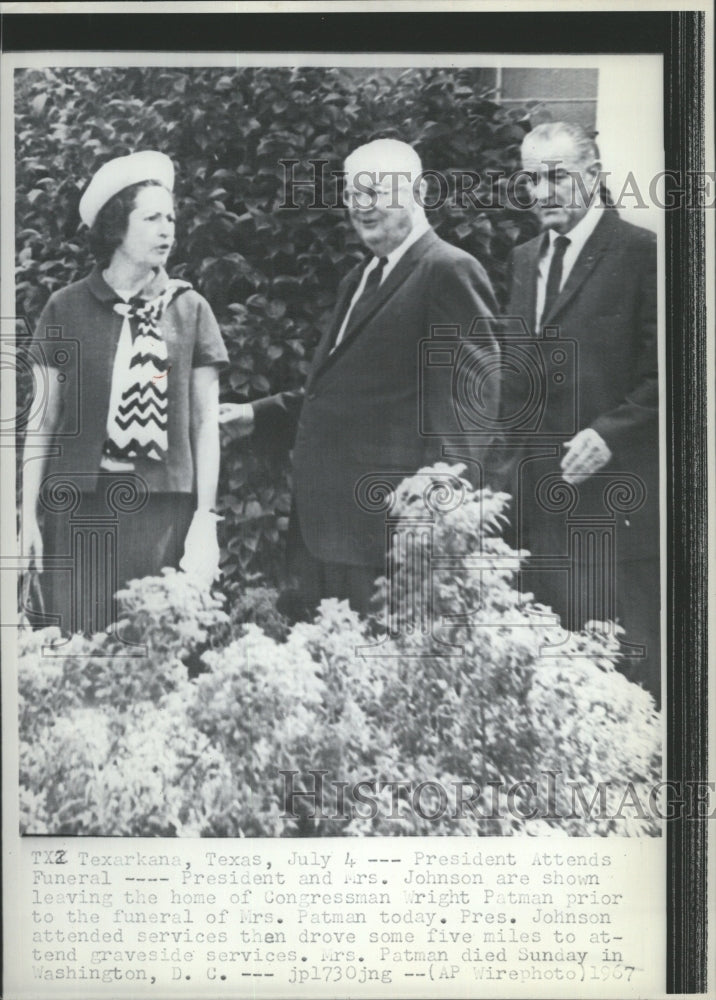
x=117, y=174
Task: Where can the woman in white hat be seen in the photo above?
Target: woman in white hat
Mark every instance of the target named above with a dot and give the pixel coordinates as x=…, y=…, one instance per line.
x=126, y=366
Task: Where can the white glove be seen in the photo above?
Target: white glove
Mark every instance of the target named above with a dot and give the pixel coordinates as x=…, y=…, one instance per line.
x=201, y=548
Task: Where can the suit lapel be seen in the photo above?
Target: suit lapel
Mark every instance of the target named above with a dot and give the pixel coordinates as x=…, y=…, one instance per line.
x=592, y=250
x=384, y=293
x=351, y=283
x=526, y=305
x=346, y=293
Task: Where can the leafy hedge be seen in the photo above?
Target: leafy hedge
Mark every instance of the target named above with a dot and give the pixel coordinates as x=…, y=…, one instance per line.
x=269, y=273
x=112, y=745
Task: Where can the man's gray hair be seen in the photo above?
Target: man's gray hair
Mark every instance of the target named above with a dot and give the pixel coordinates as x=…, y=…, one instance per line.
x=584, y=143
x=386, y=155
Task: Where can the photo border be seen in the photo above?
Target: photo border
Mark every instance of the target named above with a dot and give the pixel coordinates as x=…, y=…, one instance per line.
x=687, y=509
x=680, y=37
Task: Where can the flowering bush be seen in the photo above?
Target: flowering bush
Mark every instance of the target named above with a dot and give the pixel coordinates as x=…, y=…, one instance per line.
x=456, y=685
x=104, y=748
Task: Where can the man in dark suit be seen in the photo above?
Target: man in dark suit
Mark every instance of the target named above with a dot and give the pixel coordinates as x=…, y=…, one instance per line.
x=585, y=474
x=372, y=404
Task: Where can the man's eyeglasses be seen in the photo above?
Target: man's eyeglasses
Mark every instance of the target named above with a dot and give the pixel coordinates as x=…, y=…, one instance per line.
x=369, y=195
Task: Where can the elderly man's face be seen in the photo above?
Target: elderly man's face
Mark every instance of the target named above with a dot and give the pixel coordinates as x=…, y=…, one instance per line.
x=561, y=181
x=381, y=205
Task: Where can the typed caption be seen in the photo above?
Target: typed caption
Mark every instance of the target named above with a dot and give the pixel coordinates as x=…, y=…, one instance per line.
x=544, y=917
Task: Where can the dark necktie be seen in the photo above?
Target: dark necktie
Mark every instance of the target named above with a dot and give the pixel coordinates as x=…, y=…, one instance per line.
x=372, y=281
x=365, y=298
x=554, y=278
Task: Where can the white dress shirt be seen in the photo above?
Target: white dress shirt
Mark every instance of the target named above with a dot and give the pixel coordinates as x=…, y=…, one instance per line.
x=421, y=226
x=577, y=238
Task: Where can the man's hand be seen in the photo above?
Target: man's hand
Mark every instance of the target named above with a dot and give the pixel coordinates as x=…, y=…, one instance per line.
x=31, y=543
x=586, y=454
x=238, y=418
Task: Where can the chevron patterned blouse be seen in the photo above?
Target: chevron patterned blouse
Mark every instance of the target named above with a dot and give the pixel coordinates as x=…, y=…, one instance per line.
x=137, y=416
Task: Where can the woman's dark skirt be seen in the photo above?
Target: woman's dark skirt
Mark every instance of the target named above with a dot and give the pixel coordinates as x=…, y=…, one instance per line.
x=93, y=550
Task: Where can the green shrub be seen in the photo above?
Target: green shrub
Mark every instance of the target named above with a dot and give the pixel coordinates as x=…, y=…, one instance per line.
x=133, y=772
x=270, y=273
x=113, y=744
x=103, y=745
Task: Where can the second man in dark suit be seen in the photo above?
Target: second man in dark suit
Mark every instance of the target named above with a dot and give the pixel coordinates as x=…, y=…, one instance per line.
x=586, y=471
x=372, y=403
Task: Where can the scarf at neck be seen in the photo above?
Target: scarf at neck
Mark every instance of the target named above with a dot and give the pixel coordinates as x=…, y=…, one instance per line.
x=137, y=419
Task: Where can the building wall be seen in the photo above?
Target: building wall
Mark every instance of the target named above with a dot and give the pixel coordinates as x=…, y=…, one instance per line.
x=630, y=127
